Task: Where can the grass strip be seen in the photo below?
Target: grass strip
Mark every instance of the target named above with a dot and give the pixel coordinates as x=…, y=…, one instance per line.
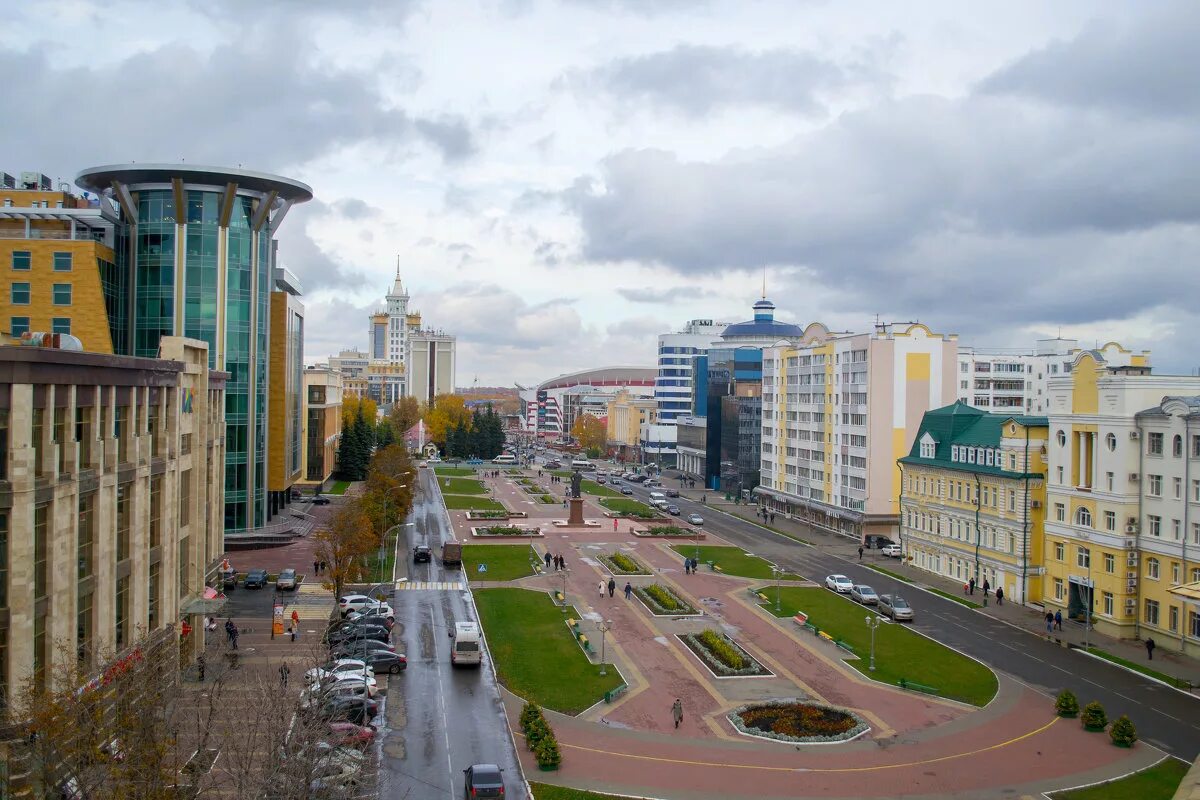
x=460, y=502
x=1178, y=683
x=505, y=562
x=535, y=653
x=462, y=472
x=1159, y=782
x=895, y=575
x=339, y=487
x=462, y=486
x=600, y=490
x=732, y=561
x=899, y=652
x=546, y=791
x=631, y=508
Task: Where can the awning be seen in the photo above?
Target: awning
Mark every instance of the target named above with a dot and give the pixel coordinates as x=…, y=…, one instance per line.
x=1188, y=591
x=212, y=602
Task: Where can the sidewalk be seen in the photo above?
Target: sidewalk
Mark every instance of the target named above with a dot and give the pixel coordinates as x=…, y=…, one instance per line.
x=1028, y=618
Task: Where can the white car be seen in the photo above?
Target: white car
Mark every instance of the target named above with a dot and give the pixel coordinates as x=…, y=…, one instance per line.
x=362, y=604
x=695, y=519
x=352, y=678
x=891, y=550
x=839, y=583
x=348, y=666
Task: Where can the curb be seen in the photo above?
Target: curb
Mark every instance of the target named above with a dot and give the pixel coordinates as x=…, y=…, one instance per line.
x=1079, y=649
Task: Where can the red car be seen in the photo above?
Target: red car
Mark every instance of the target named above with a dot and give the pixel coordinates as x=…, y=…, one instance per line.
x=347, y=734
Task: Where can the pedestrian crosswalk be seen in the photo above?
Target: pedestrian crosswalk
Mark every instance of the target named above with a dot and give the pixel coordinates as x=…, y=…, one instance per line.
x=445, y=586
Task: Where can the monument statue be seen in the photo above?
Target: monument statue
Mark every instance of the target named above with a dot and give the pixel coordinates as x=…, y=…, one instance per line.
x=576, y=481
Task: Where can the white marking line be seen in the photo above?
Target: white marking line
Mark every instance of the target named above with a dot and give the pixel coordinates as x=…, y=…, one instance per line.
x=442, y=708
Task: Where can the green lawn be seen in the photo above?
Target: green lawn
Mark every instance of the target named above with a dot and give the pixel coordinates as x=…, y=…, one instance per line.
x=505, y=562
x=461, y=486
x=454, y=471
x=732, y=560
x=1160, y=782
x=1142, y=668
x=899, y=652
x=545, y=791
x=591, y=487
x=383, y=572
x=623, y=505
x=535, y=654
x=461, y=502
x=339, y=487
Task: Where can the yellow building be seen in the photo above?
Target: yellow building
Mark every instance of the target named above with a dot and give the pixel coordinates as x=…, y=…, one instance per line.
x=1114, y=533
x=57, y=254
x=627, y=413
x=322, y=424
x=973, y=496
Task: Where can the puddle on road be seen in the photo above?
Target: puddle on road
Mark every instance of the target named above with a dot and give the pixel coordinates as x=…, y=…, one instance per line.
x=663, y=640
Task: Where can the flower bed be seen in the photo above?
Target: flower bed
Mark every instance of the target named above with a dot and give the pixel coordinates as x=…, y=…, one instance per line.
x=663, y=602
x=492, y=514
x=545, y=499
x=505, y=530
x=721, y=655
x=623, y=564
x=668, y=531
x=795, y=721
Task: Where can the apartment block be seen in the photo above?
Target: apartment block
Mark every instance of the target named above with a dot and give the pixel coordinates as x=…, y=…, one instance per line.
x=322, y=425
x=973, y=499
x=839, y=410
x=112, y=475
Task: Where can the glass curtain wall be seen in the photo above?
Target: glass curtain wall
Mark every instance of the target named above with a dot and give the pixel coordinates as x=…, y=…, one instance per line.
x=155, y=301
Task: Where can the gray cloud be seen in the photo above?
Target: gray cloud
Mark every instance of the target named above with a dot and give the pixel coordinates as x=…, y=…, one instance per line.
x=1146, y=65
x=354, y=208
x=695, y=79
x=300, y=253
x=674, y=294
x=450, y=134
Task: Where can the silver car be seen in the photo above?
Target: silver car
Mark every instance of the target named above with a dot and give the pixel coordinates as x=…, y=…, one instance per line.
x=895, y=606
x=286, y=580
x=861, y=593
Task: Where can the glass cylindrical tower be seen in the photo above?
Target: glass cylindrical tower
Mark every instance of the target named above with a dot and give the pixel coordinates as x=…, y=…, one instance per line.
x=197, y=262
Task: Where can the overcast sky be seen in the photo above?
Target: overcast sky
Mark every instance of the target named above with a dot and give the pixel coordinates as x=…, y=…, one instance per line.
x=562, y=181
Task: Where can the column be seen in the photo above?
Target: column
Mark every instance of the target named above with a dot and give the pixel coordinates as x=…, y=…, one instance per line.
x=1091, y=478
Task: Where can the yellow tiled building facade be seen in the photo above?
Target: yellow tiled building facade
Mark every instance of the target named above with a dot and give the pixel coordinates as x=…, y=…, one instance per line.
x=973, y=492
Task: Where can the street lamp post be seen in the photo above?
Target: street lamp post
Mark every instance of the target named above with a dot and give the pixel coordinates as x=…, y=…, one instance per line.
x=564, y=574
x=872, y=623
x=605, y=626
x=1087, y=619
x=383, y=538
x=775, y=573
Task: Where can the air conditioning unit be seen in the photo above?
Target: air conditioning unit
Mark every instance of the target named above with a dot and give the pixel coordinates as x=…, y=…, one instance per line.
x=1132, y=559
x=1130, y=607
x=1131, y=528
x=1035, y=504
x=1133, y=476
x=1133, y=434
x=1131, y=544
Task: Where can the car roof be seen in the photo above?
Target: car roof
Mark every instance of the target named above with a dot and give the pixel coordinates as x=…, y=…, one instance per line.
x=861, y=586
x=477, y=769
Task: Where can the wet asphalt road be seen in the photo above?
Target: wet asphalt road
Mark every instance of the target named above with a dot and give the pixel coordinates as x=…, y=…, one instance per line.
x=439, y=719
x=1163, y=716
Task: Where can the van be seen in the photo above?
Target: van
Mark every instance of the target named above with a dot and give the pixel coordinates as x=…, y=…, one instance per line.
x=505, y=459
x=452, y=554
x=467, y=647
x=582, y=464
x=654, y=496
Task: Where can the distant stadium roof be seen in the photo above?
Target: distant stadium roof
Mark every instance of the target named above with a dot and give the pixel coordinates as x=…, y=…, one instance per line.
x=604, y=376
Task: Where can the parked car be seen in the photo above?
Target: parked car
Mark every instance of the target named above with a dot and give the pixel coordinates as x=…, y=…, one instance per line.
x=368, y=679
x=891, y=550
x=839, y=583
x=895, y=606
x=255, y=579
x=286, y=580
x=601, y=479
x=861, y=593
x=347, y=734
x=337, y=666
x=626, y=490
x=229, y=579
x=695, y=519
x=352, y=632
x=370, y=618
x=359, y=648
x=358, y=710
x=673, y=510
x=361, y=602
x=320, y=500
x=385, y=661
x=317, y=696
x=672, y=493
x=483, y=780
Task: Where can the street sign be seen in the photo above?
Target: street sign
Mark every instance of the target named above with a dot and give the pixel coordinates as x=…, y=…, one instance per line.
x=482, y=568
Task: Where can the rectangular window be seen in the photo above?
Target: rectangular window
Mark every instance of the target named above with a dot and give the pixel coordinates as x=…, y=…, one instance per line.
x=87, y=534
x=18, y=325
x=62, y=262
x=1178, y=483
x=1154, y=444
x=3, y=565
x=1154, y=485
x=1107, y=598
x=1110, y=520
x=41, y=550
x=22, y=260
x=60, y=325
x=1060, y=512
x=84, y=627
x=185, y=497
x=184, y=588
x=1151, y=612
x=62, y=294
x=1108, y=478
x=1083, y=557
x=19, y=294
x=153, y=589
x=1154, y=525
x=1058, y=588
x=1060, y=551
x=1110, y=563
x=1173, y=618
x=124, y=512
x=121, y=620
x=155, y=511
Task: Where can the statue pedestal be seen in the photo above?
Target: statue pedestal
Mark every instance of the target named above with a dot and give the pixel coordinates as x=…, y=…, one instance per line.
x=576, y=515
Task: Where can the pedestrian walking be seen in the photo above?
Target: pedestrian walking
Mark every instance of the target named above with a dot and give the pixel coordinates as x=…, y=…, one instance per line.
x=695, y=565
x=294, y=630
x=1058, y=620
x=201, y=663
x=295, y=618
x=987, y=587
x=548, y=557
x=677, y=712
x=687, y=566
x=628, y=590
x=1150, y=645
x=324, y=568
x=316, y=568
x=860, y=552
x=234, y=637
x=284, y=672
x=612, y=587
x=229, y=629
x=971, y=584
x=999, y=595
x=772, y=517
x=562, y=561
x=614, y=524
x=602, y=588
x=1049, y=624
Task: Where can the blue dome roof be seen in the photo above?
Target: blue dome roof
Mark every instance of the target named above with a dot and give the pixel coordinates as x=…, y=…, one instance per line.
x=764, y=324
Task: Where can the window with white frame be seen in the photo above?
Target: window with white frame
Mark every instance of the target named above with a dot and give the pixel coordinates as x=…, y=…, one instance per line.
x=1177, y=446
x=1154, y=444
x=1060, y=512
x=1107, y=604
x=1110, y=520
x=1060, y=551
x=1061, y=436
x=1083, y=517
x=1110, y=563
x=1176, y=530
x=1083, y=557
x=1152, y=568
x=1154, y=485
x=1151, y=612
x=1154, y=525
x=1111, y=440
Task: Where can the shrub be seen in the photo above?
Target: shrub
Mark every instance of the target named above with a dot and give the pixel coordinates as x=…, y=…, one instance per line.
x=1066, y=705
x=663, y=597
x=1123, y=733
x=547, y=753
x=504, y=530
x=624, y=562
x=1093, y=717
x=662, y=600
x=722, y=650
x=669, y=530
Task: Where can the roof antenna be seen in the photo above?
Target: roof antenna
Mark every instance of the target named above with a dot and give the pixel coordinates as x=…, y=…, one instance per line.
x=397, y=265
x=764, y=297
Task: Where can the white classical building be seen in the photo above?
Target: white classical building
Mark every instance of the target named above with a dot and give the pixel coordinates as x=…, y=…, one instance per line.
x=406, y=357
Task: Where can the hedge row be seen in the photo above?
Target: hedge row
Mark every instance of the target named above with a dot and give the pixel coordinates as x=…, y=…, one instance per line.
x=540, y=737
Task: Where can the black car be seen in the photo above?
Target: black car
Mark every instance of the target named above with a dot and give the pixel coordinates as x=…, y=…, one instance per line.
x=359, y=710
x=229, y=579
x=422, y=553
x=385, y=661
x=255, y=579
x=351, y=632
x=483, y=780
x=370, y=618
x=672, y=493
x=320, y=500
x=357, y=648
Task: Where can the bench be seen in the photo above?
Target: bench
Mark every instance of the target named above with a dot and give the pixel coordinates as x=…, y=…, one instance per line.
x=612, y=694
x=825, y=636
x=903, y=683
x=583, y=640
x=558, y=597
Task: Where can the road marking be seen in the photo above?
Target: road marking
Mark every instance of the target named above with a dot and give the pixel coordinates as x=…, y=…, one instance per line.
x=879, y=767
x=442, y=708
x=444, y=586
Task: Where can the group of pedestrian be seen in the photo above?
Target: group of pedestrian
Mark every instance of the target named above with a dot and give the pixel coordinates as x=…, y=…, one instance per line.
x=767, y=516
x=1053, y=621
x=318, y=567
x=690, y=565
x=231, y=633
x=556, y=479
x=558, y=561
